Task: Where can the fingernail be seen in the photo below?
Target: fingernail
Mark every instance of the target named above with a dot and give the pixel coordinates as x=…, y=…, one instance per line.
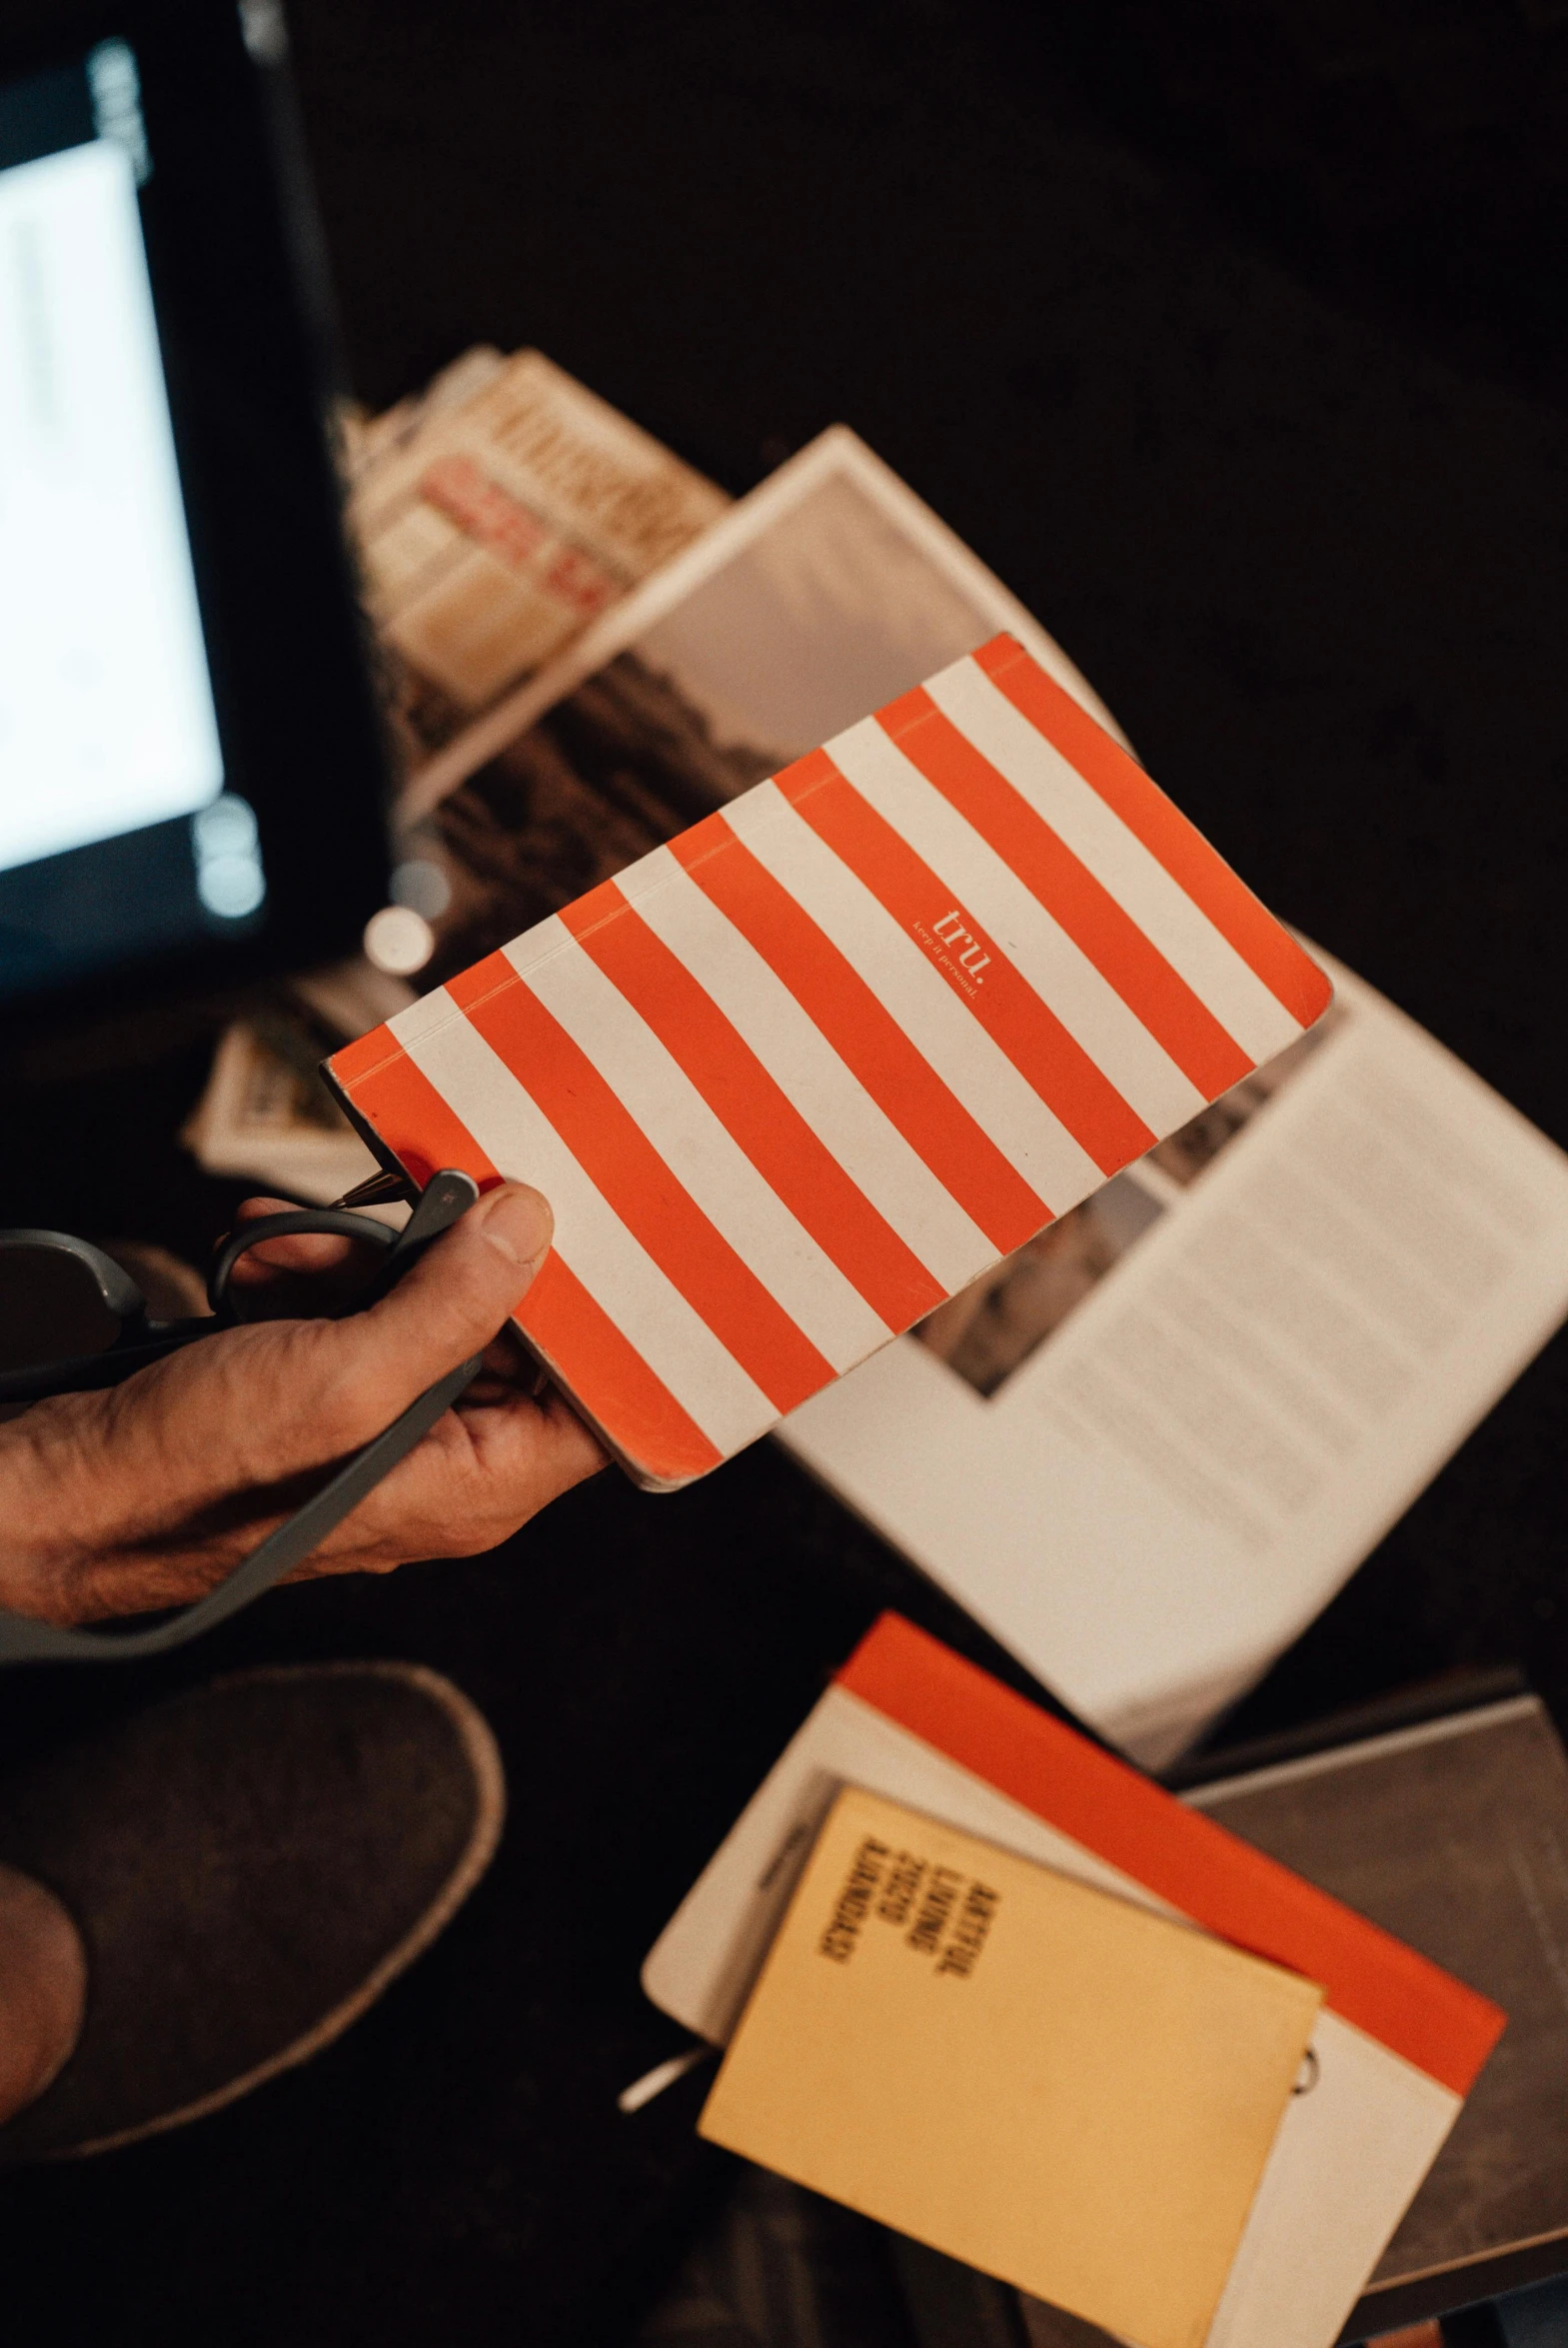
x=516, y=1220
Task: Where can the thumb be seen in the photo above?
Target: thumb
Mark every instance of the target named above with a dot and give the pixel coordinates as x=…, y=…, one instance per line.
x=446, y=1306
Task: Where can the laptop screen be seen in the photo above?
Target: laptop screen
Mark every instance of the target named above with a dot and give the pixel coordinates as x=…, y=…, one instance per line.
x=106, y=704
x=193, y=768
x=119, y=840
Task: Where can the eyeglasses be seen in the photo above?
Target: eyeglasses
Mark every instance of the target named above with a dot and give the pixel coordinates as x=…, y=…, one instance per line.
x=72, y=1318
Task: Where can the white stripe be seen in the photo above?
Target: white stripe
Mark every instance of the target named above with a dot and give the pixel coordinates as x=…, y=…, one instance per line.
x=704, y=1156
x=590, y=1240
x=424, y=1018
x=1118, y=857
x=809, y=1071
x=1049, y=961
x=948, y=1035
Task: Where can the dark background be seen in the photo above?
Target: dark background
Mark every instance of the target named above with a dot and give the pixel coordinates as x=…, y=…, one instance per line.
x=1232, y=337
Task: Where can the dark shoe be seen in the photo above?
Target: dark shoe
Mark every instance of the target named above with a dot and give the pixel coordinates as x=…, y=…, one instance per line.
x=250, y=1865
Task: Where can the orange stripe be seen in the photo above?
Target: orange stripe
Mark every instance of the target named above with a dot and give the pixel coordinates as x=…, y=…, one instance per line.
x=409, y=1114
x=753, y=1110
x=639, y=1188
x=1269, y=951
x=578, y=1343
x=362, y=1058
x=1052, y=1060
x=1208, y=1873
x=870, y=1041
x=602, y=1370
x=1158, y=995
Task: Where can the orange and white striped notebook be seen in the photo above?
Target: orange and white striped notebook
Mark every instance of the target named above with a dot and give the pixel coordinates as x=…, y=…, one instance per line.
x=794, y=1079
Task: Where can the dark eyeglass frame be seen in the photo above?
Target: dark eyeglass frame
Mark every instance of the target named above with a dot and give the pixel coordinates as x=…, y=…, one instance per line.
x=139, y=1341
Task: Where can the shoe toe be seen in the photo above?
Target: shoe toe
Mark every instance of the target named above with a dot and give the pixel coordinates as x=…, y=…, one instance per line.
x=250, y=1864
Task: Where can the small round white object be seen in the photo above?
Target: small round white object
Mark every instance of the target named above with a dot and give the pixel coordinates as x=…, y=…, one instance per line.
x=226, y=826
x=399, y=941
x=231, y=886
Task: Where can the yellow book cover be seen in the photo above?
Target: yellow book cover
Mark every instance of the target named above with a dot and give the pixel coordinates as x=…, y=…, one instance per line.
x=1034, y=2076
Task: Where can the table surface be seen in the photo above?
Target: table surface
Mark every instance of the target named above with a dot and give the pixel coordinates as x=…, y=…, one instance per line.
x=1229, y=353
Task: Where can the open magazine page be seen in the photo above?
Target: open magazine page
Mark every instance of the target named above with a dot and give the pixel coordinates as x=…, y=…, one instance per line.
x=825, y=593
x=1147, y=1449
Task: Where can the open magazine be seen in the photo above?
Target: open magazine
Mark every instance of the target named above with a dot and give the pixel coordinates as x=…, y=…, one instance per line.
x=825, y=593
x=1147, y=1449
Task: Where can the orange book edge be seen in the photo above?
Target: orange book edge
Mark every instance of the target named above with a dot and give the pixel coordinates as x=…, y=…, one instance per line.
x=1373, y=1981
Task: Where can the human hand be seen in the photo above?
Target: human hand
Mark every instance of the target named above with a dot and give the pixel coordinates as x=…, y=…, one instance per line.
x=148, y=1494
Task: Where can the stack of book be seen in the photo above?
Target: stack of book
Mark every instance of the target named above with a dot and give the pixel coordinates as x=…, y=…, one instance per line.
x=1412, y=1874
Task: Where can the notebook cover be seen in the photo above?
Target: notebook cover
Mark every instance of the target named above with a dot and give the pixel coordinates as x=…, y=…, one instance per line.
x=1016, y=2068
x=794, y=1079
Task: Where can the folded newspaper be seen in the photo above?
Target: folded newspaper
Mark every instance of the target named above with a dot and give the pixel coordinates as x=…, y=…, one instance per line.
x=1207, y=1392
x=495, y=517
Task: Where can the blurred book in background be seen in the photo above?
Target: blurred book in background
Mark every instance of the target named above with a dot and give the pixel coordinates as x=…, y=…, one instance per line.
x=266, y=1117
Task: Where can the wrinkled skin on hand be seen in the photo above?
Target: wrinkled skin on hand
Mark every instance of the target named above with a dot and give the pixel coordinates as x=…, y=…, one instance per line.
x=150, y=1492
